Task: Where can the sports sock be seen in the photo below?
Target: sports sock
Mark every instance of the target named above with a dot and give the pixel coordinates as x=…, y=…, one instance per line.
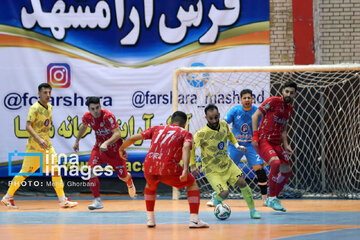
x=15, y=184
x=129, y=182
x=58, y=186
x=150, y=197
x=282, y=180
x=194, y=201
x=247, y=194
x=95, y=186
x=273, y=175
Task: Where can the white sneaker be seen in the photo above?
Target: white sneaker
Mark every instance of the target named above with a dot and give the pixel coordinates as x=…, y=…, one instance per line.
x=96, y=204
x=198, y=224
x=210, y=203
x=9, y=202
x=68, y=203
x=132, y=190
x=151, y=222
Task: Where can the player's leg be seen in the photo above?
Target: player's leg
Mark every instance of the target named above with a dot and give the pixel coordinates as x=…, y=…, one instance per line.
x=256, y=162
x=269, y=155
x=119, y=166
x=285, y=171
x=236, y=155
x=236, y=178
x=30, y=165
x=152, y=182
x=218, y=182
x=193, y=197
x=94, y=180
x=51, y=167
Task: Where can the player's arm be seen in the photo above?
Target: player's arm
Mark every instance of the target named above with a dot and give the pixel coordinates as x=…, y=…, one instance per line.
x=194, y=170
x=284, y=141
x=233, y=140
x=43, y=144
x=129, y=141
x=115, y=136
x=186, y=159
x=255, y=125
x=81, y=132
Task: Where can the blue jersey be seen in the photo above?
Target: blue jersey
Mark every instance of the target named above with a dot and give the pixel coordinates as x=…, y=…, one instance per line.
x=241, y=123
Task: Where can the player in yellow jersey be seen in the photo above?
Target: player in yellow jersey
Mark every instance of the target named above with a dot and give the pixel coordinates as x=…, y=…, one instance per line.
x=217, y=166
x=38, y=125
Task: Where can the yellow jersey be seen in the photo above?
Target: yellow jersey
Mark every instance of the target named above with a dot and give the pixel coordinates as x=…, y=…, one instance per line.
x=213, y=145
x=41, y=119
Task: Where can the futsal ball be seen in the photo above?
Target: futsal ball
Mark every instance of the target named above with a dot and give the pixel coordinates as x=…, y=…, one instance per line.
x=222, y=211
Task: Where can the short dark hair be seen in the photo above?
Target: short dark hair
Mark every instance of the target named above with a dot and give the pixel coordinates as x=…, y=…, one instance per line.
x=245, y=91
x=44, y=85
x=179, y=117
x=289, y=84
x=210, y=107
x=92, y=100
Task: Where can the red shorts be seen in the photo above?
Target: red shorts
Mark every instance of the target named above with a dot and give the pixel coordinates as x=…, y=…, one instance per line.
x=267, y=150
x=111, y=158
x=171, y=180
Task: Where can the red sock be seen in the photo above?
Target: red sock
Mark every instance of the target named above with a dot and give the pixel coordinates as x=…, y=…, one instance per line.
x=194, y=201
x=95, y=186
x=129, y=182
x=150, y=197
x=282, y=180
x=273, y=175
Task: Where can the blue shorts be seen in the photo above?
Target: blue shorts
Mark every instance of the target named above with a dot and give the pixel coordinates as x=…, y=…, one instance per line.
x=251, y=155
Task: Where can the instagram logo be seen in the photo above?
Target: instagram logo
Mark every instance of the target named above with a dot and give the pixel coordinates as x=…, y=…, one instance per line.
x=58, y=75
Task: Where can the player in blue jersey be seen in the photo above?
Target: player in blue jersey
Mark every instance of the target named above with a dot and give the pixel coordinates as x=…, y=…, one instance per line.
x=240, y=119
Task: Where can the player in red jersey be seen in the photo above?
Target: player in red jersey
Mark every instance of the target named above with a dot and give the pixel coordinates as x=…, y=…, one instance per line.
x=169, y=144
x=269, y=137
x=105, y=150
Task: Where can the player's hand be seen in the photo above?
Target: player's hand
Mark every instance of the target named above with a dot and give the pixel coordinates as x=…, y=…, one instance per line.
x=194, y=170
x=103, y=147
x=242, y=148
x=255, y=139
x=43, y=144
x=123, y=154
x=183, y=176
x=288, y=150
x=76, y=146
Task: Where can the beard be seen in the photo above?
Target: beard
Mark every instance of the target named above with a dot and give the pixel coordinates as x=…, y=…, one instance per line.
x=287, y=99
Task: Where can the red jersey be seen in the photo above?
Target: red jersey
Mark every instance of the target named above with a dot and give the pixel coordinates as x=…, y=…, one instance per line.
x=103, y=127
x=165, y=150
x=276, y=114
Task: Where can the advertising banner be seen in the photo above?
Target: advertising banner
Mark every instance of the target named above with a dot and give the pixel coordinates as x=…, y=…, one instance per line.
x=123, y=51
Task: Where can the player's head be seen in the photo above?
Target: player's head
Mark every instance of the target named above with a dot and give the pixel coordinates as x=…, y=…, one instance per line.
x=179, y=118
x=288, y=92
x=212, y=115
x=44, y=92
x=246, y=98
x=94, y=106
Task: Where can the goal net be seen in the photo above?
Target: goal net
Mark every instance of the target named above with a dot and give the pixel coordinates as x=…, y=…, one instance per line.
x=324, y=130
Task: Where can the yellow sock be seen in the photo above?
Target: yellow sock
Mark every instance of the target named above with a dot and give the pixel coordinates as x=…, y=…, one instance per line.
x=15, y=184
x=58, y=186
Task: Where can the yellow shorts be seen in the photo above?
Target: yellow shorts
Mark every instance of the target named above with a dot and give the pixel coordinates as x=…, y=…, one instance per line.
x=219, y=181
x=32, y=163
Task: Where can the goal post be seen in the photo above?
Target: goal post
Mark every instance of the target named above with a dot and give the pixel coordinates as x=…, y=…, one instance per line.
x=324, y=130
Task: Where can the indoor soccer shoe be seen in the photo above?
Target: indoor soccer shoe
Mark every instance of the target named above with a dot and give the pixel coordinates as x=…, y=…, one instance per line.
x=9, y=202
x=151, y=222
x=68, y=203
x=96, y=204
x=132, y=190
x=210, y=203
x=275, y=204
x=254, y=214
x=198, y=224
x=216, y=201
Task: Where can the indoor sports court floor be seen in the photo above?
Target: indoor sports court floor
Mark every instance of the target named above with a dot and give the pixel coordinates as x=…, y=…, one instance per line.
x=122, y=218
